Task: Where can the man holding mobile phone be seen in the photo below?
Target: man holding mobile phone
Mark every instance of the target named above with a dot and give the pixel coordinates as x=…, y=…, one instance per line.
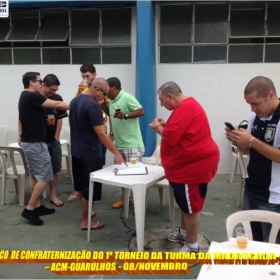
x=189, y=156
x=261, y=141
x=124, y=110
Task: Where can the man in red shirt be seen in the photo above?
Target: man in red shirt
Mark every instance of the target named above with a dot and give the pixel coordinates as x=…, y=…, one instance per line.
x=189, y=157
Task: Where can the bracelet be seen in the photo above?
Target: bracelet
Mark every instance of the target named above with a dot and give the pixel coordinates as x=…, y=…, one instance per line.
x=157, y=127
x=250, y=142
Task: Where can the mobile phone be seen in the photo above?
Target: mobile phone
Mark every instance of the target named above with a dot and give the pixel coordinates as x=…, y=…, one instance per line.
x=117, y=110
x=230, y=126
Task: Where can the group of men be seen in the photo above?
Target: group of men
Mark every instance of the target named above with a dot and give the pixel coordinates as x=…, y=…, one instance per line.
x=189, y=155
x=89, y=139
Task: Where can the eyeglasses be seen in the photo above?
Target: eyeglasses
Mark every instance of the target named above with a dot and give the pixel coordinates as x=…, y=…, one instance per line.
x=53, y=89
x=40, y=81
x=105, y=93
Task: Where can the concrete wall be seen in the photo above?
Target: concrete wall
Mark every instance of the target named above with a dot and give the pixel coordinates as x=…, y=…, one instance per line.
x=219, y=89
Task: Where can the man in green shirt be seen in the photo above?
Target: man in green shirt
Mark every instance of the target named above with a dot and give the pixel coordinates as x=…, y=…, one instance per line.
x=124, y=110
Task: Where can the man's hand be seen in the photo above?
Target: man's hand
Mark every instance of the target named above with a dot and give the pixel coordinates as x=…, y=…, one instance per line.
x=161, y=121
x=156, y=122
x=100, y=102
x=81, y=87
x=119, y=115
x=228, y=134
x=19, y=138
x=241, y=136
x=119, y=159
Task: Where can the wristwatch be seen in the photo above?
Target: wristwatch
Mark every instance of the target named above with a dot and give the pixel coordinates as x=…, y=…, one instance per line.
x=126, y=116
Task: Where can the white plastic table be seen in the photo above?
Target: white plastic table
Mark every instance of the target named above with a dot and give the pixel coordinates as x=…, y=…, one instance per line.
x=138, y=184
x=242, y=271
x=62, y=142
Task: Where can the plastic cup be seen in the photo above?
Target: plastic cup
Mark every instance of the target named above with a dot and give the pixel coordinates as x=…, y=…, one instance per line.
x=51, y=119
x=85, y=84
x=133, y=160
x=241, y=238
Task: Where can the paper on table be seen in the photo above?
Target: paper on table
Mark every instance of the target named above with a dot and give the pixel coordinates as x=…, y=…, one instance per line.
x=131, y=171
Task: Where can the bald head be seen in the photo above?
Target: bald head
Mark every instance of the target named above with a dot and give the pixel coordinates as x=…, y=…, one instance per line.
x=261, y=85
x=98, y=89
x=100, y=83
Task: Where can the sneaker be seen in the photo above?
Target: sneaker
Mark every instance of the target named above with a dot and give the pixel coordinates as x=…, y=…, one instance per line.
x=43, y=210
x=120, y=203
x=32, y=216
x=176, y=237
x=186, y=249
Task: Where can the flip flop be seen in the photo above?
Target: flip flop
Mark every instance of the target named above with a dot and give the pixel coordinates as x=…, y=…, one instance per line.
x=98, y=225
x=72, y=198
x=56, y=203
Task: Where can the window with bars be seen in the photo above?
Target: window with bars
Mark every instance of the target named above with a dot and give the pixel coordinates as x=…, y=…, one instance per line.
x=219, y=32
x=66, y=36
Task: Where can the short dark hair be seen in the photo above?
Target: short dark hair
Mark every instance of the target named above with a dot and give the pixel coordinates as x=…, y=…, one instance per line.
x=170, y=88
x=29, y=76
x=114, y=81
x=51, y=80
x=261, y=85
x=88, y=67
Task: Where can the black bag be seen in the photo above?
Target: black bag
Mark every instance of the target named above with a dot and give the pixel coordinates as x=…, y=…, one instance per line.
x=243, y=124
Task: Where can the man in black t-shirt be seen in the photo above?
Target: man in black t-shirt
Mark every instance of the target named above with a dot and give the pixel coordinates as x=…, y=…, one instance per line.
x=49, y=88
x=32, y=128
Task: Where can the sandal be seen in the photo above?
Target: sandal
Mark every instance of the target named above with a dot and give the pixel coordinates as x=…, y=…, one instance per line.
x=72, y=198
x=97, y=225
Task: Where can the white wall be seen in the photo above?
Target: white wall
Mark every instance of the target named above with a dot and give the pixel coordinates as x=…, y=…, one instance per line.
x=219, y=88
x=69, y=75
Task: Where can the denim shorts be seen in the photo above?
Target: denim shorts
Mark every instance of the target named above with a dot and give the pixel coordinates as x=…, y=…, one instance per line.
x=56, y=155
x=260, y=231
x=39, y=160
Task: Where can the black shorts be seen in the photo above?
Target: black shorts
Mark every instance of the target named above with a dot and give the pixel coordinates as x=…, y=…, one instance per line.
x=190, y=197
x=81, y=174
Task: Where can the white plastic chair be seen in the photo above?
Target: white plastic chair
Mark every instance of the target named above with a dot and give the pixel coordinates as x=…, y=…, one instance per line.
x=17, y=172
x=162, y=185
x=4, y=135
x=243, y=174
x=66, y=151
x=154, y=159
x=234, y=161
x=247, y=216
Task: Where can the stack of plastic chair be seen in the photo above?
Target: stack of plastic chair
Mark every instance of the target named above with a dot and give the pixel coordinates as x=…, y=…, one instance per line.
x=162, y=185
x=234, y=161
x=243, y=174
x=16, y=172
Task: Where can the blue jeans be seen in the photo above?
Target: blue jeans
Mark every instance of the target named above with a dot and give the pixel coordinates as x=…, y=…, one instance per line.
x=260, y=231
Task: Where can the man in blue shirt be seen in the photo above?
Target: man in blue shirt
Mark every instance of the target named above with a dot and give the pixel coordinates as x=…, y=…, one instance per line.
x=87, y=134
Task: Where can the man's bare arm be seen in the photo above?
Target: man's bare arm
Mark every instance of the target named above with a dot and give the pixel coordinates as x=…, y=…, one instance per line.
x=58, y=129
x=55, y=104
x=99, y=130
x=19, y=131
x=266, y=150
